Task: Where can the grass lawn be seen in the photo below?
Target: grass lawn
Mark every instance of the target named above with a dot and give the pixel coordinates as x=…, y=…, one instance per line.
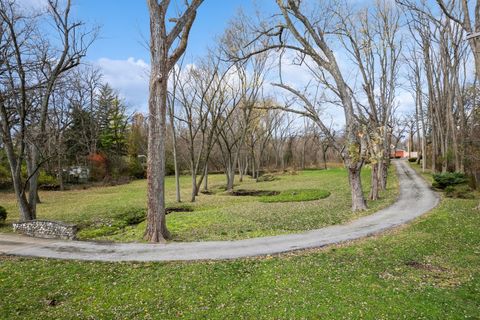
x=297, y=196
x=101, y=212
x=429, y=269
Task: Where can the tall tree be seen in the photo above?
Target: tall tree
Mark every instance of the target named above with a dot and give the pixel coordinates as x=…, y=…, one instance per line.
x=306, y=32
x=372, y=39
x=168, y=41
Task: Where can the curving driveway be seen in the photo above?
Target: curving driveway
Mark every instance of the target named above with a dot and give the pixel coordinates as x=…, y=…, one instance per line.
x=415, y=199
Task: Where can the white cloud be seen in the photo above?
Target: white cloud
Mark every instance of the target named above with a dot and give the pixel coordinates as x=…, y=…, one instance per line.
x=32, y=4
x=406, y=102
x=129, y=77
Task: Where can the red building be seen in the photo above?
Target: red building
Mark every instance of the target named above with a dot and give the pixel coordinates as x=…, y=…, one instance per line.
x=399, y=153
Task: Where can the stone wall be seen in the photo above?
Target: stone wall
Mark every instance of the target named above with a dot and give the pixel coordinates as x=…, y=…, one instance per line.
x=46, y=229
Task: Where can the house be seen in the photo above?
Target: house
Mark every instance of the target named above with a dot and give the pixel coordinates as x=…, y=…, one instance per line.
x=398, y=153
x=78, y=174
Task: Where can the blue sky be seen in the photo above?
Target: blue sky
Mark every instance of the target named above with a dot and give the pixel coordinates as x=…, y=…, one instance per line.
x=125, y=24
x=121, y=49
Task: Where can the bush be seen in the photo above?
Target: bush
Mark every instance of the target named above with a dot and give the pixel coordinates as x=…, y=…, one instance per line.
x=412, y=159
x=46, y=179
x=5, y=180
x=443, y=180
x=3, y=214
x=459, y=192
x=132, y=216
x=137, y=169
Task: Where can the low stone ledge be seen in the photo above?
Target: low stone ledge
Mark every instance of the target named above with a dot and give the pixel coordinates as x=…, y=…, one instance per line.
x=46, y=229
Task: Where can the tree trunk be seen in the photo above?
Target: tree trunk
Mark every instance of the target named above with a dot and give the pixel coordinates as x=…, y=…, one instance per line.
x=33, y=173
x=25, y=214
x=205, y=181
x=254, y=168
x=156, y=224
x=175, y=160
x=60, y=174
x=324, y=155
x=383, y=173
x=194, y=186
x=384, y=161
x=354, y=178
x=240, y=169
x=15, y=169
x=375, y=183
x=60, y=168
x=230, y=172
x=303, y=154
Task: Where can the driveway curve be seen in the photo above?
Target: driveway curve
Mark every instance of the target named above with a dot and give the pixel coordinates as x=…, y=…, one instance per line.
x=415, y=199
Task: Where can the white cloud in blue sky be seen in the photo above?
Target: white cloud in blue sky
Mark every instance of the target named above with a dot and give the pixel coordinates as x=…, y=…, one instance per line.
x=33, y=4
x=129, y=77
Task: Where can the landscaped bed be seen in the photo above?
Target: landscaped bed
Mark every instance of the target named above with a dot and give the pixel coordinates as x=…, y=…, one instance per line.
x=117, y=213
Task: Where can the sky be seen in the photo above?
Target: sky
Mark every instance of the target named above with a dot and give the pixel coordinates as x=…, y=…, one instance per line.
x=121, y=49
x=125, y=24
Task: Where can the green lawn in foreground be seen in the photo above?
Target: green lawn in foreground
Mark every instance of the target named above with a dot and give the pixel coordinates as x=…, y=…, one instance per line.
x=427, y=270
x=215, y=217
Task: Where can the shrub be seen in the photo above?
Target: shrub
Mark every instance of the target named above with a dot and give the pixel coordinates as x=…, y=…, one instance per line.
x=46, y=179
x=98, y=166
x=132, y=216
x=137, y=169
x=412, y=159
x=443, y=180
x=3, y=214
x=5, y=177
x=460, y=192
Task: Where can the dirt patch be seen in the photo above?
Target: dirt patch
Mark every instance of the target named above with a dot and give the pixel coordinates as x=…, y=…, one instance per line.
x=425, y=266
x=178, y=209
x=241, y=193
x=49, y=187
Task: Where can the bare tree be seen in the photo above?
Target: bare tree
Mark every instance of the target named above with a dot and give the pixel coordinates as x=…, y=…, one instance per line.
x=415, y=77
x=442, y=60
x=372, y=38
x=171, y=114
x=460, y=12
x=31, y=66
x=168, y=41
x=246, y=80
x=308, y=37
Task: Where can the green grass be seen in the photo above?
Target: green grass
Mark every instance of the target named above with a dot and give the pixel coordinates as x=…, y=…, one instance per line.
x=220, y=216
x=427, y=175
x=427, y=270
x=296, y=196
